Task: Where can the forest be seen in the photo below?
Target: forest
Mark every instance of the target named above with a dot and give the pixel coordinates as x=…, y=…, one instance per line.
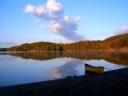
x=118, y=42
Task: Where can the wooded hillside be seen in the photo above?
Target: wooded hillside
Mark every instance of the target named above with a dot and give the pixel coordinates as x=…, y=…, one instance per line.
x=118, y=42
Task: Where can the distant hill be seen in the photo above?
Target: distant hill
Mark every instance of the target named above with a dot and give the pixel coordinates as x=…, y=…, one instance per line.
x=118, y=42
x=118, y=37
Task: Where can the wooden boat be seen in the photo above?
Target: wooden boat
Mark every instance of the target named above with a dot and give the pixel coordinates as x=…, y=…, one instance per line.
x=94, y=69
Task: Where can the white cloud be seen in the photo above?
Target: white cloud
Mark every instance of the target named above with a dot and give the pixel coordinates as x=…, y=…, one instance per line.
x=55, y=27
x=53, y=13
x=40, y=11
x=54, y=6
x=66, y=27
x=29, y=8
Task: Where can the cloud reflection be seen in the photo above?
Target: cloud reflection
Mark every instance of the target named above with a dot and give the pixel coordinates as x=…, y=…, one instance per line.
x=70, y=68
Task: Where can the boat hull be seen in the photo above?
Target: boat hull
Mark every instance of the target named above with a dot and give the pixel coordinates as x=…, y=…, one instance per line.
x=94, y=69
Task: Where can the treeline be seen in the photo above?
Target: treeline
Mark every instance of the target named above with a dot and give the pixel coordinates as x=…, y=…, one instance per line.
x=119, y=42
x=45, y=46
x=3, y=49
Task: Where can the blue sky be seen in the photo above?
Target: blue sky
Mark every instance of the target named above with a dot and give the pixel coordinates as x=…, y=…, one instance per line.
x=99, y=20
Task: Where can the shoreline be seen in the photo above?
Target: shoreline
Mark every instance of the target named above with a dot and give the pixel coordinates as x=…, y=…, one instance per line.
x=112, y=82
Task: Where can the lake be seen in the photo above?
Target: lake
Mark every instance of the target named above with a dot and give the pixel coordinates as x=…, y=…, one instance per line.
x=29, y=67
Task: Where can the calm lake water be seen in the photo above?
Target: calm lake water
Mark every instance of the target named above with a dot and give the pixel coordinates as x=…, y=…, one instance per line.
x=28, y=67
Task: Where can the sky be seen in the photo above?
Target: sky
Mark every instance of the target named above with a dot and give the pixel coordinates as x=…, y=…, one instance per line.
x=26, y=21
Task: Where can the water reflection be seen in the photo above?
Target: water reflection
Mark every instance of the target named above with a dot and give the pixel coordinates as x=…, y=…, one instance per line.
x=70, y=68
x=28, y=67
x=113, y=57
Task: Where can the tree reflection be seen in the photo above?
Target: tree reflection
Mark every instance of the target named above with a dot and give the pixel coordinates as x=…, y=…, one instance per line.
x=113, y=57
